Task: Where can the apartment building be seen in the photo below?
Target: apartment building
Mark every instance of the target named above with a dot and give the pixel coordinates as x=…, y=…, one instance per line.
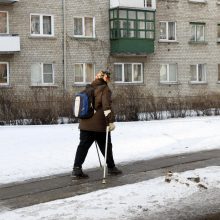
x=168, y=47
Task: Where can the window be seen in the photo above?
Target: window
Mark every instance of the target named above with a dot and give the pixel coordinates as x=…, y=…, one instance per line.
x=42, y=25
x=128, y=72
x=167, y=31
x=84, y=27
x=198, y=73
x=84, y=72
x=3, y=22
x=147, y=3
x=197, y=32
x=168, y=73
x=42, y=74
x=4, y=73
x=218, y=32
x=127, y=23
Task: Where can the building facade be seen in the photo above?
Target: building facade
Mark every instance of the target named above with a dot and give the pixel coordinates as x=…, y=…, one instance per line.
x=167, y=47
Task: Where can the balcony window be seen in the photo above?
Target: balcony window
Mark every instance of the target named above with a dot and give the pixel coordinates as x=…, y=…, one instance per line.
x=197, y=32
x=148, y=3
x=42, y=74
x=84, y=27
x=3, y=22
x=42, y=25
x=168, y=73
x=198, y=73
x=167, y=31
x=128, y=72
x=127, y=23
x=4, y=73
x=84, y=72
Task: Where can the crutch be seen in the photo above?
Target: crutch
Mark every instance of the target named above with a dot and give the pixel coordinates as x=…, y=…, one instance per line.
x=106, y=148
x=98, y=154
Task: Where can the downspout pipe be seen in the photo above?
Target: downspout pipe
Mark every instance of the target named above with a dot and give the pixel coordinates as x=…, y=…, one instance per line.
x=64, y=46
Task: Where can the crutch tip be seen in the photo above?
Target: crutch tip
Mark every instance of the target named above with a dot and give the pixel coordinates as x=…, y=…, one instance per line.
x=103, y=181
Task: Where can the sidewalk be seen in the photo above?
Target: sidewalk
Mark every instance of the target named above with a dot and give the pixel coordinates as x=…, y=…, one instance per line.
x=35, y=191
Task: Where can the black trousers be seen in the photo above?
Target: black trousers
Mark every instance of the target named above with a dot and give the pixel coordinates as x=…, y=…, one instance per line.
x=86, y=140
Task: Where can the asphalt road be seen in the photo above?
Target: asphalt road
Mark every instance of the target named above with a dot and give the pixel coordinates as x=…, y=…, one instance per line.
x=35, y=191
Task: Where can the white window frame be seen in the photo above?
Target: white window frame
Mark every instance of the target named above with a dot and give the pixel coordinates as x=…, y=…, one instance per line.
x=167, y=31
x=198, y=24
x=42, y=76
x=218, y=30
x=123, y=74
x=84, y=72
x=7, y=14
x=41, y=25
x=7, y=83
x=83, y=27
x=168, y=81
x=218, y=68
x=197, y=74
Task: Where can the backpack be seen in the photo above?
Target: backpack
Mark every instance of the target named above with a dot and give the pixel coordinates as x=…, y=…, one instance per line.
x=84, y=103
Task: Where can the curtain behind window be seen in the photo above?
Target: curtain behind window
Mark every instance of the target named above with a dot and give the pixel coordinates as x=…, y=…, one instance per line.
x=137, y=72
x=163, y=73
x=48, y=73
x=47, y=25
x=163, y=30
x=36, y=73
x=128, y=72
x=3, y=23
x=118, y=72
x=200, y=33
x=89, y=27
x=35, y=24
x=172, y=72
x=193, y=73
x=89, y=72
x=78, y=72
x=3, y=73
x=78, y=26
x=171, y=31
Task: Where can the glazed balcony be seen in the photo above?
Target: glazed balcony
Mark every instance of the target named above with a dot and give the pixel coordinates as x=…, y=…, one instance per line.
x=132, y=31
x=8, y=1
x=9, y=44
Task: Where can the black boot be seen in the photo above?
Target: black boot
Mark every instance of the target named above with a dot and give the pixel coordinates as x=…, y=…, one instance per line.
x=78, y=173
x=114, y=171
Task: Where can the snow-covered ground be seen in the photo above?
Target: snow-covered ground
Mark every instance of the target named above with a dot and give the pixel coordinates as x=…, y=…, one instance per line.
x=36, y=151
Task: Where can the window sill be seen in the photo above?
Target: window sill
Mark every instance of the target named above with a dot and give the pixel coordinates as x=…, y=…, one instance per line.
x=168, y=41
x=43, y=85
x=198, y=83
x=168, y=83
x=5, y=86
x=198, y=42
x=42, y=37
x=198, y=1
x=84, y=38
x=218, y=82
x=129, y=84
x=80, y=84
x=218, y=3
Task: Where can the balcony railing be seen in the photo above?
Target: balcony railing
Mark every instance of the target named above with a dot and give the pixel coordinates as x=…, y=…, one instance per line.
x=9, y=44
x=8, y=1
x=149, y=4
